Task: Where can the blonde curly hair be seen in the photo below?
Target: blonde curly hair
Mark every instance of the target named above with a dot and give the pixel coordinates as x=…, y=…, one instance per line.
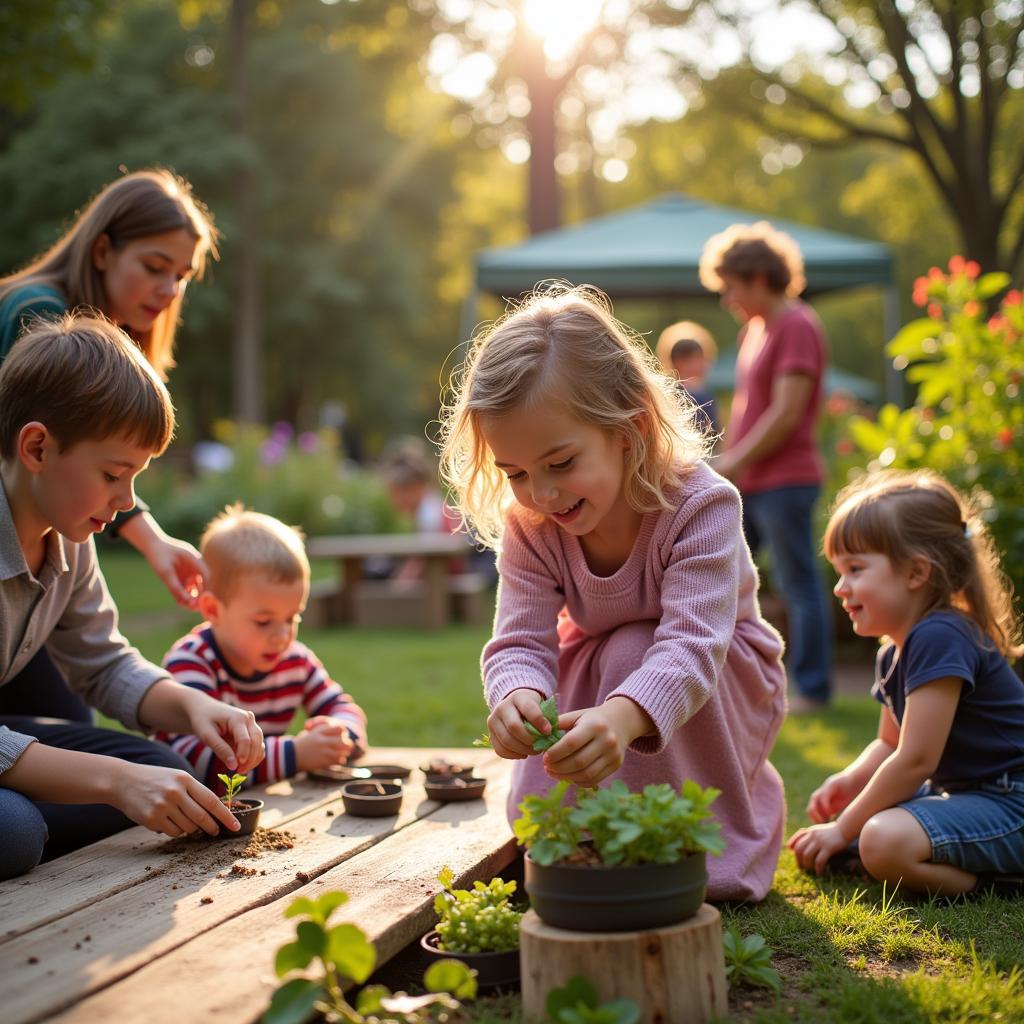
x=563, y=344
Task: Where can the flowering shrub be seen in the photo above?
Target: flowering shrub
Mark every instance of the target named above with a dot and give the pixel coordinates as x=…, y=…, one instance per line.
x=967, y=421
x=299, y=479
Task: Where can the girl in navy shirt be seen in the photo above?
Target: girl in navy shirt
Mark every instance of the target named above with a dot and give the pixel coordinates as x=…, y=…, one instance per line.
x=936, y=802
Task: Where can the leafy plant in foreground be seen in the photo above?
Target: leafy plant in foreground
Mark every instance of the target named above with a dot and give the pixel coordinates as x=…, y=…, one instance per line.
x=655, y=826
x=232, y=784
x=477, y=920
x=347, y=955
x=577, y=1003
x=748, y=961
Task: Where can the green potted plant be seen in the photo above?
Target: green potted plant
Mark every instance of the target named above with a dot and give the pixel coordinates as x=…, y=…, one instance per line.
x=617, y=860
x=247, y=812
x=479, y=927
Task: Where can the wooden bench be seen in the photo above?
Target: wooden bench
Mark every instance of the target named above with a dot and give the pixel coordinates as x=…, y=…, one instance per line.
x=142, y=928
x=431, y=602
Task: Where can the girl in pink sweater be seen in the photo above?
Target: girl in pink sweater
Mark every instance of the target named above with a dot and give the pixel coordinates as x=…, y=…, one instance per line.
x=626, y=585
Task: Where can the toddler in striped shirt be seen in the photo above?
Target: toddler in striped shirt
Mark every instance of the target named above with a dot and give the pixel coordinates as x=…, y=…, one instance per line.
x=246, y=653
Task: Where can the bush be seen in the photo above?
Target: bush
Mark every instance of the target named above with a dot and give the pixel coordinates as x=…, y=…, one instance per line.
x=967, y=421
x=300, y=480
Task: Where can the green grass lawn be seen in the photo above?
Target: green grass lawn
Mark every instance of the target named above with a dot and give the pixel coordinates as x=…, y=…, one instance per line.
x=847, y=952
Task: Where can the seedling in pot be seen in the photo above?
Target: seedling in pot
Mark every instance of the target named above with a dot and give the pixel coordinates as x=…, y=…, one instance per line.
x=232, y=784
x=477, y=920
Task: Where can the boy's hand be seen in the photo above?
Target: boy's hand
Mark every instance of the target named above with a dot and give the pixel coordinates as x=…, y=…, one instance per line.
x=831, y=797
x=168, y=800
x=505, y=723
x=814, y=846
x=596, y=740
x=231, y=733
x=322, y=743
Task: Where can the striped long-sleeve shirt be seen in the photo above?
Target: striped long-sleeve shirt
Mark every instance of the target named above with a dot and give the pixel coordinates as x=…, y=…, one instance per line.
x=297, y=680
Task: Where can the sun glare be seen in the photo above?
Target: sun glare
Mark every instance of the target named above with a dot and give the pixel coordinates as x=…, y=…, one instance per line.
x=561, y=24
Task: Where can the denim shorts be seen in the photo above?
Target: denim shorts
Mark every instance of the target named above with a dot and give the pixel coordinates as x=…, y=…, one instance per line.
x=978, y=830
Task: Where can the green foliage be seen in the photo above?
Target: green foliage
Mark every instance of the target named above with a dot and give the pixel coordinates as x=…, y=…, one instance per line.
x=345, y=954
x=477, y=920
x=748, y=961
x=300, y=480
x=542, y=742
x=232, y=784
x=546, y=827
x=655, y=826
x=967, y=421
x=577, y=1003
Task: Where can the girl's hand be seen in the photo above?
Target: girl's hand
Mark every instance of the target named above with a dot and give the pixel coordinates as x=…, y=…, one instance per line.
x=176, y=562
x=321, y=745
x=814, y=846
x=596, y=741
x=505, y=724
x=168, y=800
x=831, y=797
x=231, y=733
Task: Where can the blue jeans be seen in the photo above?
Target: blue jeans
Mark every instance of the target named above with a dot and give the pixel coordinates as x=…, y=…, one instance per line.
x=34, y=829
x=40, y=689
x=781, y=520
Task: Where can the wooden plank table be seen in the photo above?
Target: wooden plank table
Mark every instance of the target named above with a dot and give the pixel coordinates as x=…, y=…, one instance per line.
x=142, y=928
x=435, y=549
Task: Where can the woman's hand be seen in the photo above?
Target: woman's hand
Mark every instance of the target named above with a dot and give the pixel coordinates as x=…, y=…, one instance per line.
x=168, y=800
x=596, y=741
x=814, y=846
x=505, y=724
x=231, y=733
x=176, y=562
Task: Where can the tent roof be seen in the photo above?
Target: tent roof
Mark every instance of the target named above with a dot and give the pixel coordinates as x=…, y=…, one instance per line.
x=653, y=251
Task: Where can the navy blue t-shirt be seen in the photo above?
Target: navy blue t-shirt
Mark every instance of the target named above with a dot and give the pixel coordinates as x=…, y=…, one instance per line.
x=987, y=735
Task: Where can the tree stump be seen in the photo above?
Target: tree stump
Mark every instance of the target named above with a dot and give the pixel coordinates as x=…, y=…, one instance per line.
x=676, y=975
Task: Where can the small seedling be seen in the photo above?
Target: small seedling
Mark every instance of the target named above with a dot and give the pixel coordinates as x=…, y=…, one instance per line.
x=577, y=1003
x=748, y=961
x=549, y=709
x=483, y=740
x=477, y=920
x=232, y=784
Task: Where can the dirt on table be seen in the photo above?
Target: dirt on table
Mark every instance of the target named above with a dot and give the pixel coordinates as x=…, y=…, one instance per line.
x=266, y=840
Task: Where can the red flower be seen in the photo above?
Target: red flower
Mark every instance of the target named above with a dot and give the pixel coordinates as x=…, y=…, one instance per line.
x=934, y=274
x=972, y=269
x=956, y=264
x=1012, y=298
x=921, y=291
x=972, y=308
x=1005, y=437
x=934, y=310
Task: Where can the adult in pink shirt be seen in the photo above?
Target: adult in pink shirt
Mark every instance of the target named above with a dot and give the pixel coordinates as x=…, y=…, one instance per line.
x=771, y=451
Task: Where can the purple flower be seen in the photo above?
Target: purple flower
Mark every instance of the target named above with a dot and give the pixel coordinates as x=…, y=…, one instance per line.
x=308, y=442
x=271, y=451
x=282, y=431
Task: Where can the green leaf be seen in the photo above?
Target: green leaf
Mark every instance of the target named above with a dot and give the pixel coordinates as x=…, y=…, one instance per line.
x=576, y=991
x=908, y=341
x=991, y=284
x=371, y=999
x=302, y=905
x=446, y=876
x=292, y=956
x=483, y=740
x=767, y=977
x=351, y=953
x=293, y=1001
x=451, y=976
x=312, y=937
x=327, y=903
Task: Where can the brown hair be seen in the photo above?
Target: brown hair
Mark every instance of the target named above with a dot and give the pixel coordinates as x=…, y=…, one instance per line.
x=903, y=514
x=85, y=380
x=684, y=331
x=136, y=206
x=239, y=543
x=748, y=250
x=563, y=344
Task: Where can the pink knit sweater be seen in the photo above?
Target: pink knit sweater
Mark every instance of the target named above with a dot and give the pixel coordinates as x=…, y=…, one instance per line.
x=676, y=629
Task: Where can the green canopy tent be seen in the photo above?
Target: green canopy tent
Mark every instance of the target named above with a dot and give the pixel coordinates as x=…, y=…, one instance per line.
x=653, y=251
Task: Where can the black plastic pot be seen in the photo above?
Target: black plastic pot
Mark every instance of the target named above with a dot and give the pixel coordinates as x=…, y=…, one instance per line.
x=452, y=789
x=493, y=970
x=603, y=898
x=372, y=799
x=248, y=817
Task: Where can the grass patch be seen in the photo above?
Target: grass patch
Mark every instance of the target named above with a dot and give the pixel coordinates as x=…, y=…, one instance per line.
x=847, y=951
